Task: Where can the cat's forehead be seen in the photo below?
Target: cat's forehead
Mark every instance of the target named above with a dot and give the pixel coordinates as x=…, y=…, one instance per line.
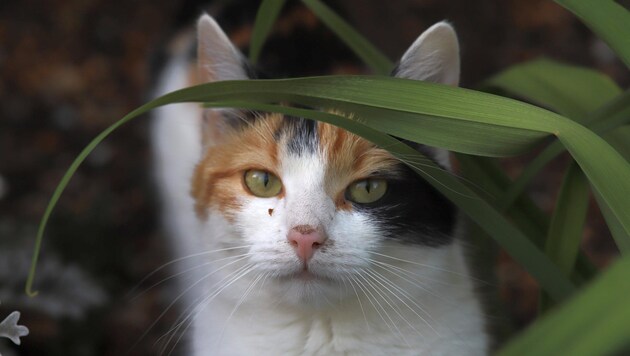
x=281, y=136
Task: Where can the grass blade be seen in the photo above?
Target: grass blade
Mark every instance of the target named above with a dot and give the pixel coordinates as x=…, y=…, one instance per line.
x=359, y=45
x=620, y=140
x=612, y=115
x=479, y=116
x=567, y=223
x=476, y=112
x=569, y=90
x=266, y=16
x=526, y=215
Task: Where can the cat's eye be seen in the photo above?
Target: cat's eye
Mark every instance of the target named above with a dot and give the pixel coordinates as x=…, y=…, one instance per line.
x=262, y=184
x=367, y=190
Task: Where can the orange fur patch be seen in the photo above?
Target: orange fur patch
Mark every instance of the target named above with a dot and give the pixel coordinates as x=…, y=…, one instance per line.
x=350, y=158
x=218, y=178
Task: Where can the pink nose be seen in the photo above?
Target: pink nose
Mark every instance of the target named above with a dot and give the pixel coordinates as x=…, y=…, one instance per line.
x=305, y=240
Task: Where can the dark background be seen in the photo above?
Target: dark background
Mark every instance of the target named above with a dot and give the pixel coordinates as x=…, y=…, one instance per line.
x=70, y=68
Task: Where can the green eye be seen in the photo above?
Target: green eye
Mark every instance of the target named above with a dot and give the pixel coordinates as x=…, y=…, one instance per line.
x=366, y=191
x=262, y=184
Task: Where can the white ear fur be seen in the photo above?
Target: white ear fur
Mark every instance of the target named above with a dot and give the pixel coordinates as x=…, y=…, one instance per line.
x=433, y=57
x=217, y=57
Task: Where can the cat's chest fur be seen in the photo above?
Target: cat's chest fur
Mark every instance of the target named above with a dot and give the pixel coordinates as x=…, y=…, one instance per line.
x=298, y=238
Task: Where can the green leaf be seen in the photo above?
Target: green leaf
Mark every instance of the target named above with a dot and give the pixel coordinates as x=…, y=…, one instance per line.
x=478, y=114
x=614, y=225
x=567, y=223
x=620, y=140
x=594, y=322
x=266, y=16
x=569, y=90
x=613, y=114
x=359, y=45
x=491, y=182
x=318, y=90
x=608, y=19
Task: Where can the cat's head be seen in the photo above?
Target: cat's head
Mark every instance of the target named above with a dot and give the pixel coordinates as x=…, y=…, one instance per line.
x=305, y=204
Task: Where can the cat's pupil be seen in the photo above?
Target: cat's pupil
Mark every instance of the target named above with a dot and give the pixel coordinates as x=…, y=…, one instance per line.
x=266, y=179
x=367, y=186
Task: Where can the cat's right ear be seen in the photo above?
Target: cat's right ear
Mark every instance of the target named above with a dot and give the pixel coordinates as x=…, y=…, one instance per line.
x=217, y=58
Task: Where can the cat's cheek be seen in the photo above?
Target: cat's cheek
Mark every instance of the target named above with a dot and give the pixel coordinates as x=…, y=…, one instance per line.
x=353, y=236
x=262, y=223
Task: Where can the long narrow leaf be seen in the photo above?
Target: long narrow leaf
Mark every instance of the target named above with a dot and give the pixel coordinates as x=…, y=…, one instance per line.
x=606, y=18
x=511, y=238
x=620, y=140
x=569, y=90
x=614, y=114
x=526, y=215
x=476, y=113
x=268, y=12
x=359, y=45
x=567, y=223
x=595, y=322
x=565, y=231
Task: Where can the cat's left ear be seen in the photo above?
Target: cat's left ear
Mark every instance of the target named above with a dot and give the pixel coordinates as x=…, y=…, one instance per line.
x=433, y=57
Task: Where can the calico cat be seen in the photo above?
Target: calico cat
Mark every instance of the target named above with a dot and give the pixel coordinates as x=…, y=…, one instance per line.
x=299, y=238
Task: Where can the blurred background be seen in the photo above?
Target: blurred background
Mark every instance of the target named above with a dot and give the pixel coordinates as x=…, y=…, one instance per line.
x=70, y=68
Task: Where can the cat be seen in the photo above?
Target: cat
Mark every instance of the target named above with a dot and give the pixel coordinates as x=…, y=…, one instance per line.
x=299, y=238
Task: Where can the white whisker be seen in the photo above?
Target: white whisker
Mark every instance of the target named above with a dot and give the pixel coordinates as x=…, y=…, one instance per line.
x=208, y=299
x=406, y=295
x=132, y=291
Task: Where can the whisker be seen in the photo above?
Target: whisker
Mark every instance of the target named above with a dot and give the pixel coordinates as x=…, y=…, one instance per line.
x=365, y=289
x=189, y=270
x=408, y=276
x=179, y=296
x=240, y=302
x=367, y=324
x=179, y=260
x=207, y=300
x=387, y=300
x=406, y=295
x=429, y=266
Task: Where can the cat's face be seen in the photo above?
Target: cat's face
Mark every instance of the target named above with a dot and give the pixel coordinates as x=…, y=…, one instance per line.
x=306, y=206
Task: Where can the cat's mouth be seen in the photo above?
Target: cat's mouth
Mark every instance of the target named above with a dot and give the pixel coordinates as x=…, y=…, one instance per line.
x=306, y=275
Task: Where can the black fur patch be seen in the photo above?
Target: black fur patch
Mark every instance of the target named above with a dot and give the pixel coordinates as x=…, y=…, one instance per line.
x=301, y=135
x=412, y=211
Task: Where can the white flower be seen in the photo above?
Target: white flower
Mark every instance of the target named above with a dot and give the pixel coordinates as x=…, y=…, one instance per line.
x=11, y=330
